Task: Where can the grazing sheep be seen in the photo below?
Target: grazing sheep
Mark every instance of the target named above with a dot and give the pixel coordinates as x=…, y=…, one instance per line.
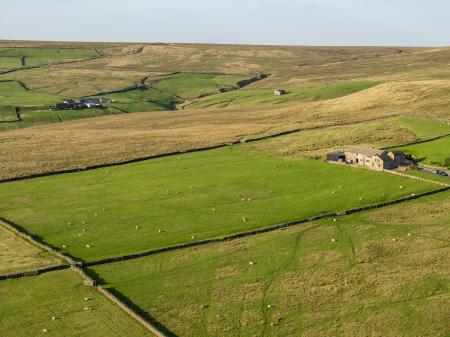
x=88, y=246
x=244, y=219
x=394, y=239
x=137, y=227
x=251, y=263
x=192, y=237
x=333, y=240
x=159, y=231
x=64, y=246
x=86, y=298
x=44, y=330
x=53, y=318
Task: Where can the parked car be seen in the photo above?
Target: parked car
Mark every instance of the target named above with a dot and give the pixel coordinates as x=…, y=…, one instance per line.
x=442, y=173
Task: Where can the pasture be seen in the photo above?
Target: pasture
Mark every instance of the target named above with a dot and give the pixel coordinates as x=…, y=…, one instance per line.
x=378, y=273
x=168, y=201
x=192, y=85
x=261, y=96
x=28, y=306
x=14, y=93
x=435, y=153
x=16, y=255
x=18, y=57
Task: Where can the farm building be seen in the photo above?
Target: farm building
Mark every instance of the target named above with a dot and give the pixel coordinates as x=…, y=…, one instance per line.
x=279, y=92
x=373, y=159
x=68, y=104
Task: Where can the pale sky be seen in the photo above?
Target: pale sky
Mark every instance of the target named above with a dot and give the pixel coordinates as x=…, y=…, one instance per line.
x=295, y=22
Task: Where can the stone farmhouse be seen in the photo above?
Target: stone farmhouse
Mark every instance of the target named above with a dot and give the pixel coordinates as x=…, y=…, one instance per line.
x=373, y=159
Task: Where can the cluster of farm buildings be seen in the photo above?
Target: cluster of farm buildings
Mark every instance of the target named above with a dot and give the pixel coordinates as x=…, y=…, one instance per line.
x=373, y=159
x=83, y=103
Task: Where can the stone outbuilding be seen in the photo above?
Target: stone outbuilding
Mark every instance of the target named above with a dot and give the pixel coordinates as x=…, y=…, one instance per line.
x=280, y=92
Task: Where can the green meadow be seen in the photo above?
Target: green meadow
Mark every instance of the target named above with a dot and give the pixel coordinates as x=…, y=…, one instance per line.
x=192, y=85
x=45, y=115
x=379, y=273
x=12, y=93
x=143, y=99
x=436, y=152
x=168, y=201
x=12, y=57
x=425, y=128
x=264, y=96
x=28, y=306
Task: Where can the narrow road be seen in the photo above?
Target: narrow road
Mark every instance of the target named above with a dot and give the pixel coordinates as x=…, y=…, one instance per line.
x=434, y=171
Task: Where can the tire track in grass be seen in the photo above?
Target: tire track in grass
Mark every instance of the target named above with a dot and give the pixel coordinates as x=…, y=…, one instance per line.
x=276, y=275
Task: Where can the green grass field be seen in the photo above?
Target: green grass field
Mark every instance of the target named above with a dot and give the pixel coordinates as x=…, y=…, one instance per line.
x=46, y=116
x=436, y=152
x=260, y=96
x=344, y=278
x=187, y=198
x=143, y=99
x=11, y=57
x=12, y=93
x=192, y=85
x=28, y=305
x=425, y=128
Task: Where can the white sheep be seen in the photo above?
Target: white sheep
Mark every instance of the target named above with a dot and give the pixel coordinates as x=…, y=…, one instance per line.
x=88, y=246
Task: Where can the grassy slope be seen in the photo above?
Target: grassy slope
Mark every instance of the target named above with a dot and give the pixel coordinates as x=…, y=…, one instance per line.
x=46, y=116
x=12, y=93
x=198, y=195
x=11, y=57
x=435, y=153
x=192, y=85
x=363, y=284
x=143, y=99
x=17, y=255
x=260, y=96
x=380, y=133
x=29, y=304
x=425, y=128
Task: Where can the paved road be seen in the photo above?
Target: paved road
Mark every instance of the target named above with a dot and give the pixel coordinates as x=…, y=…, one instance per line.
x=433, y=171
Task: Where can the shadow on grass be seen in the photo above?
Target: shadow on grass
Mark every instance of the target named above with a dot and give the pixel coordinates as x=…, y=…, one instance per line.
x=145, y=315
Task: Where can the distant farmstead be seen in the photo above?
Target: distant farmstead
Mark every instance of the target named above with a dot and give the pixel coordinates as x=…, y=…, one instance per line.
x=373, y=159
x=82, y=103
x=279, y=92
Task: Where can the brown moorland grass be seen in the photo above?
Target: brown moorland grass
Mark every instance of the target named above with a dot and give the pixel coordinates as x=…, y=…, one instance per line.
x=122, y=137
x=412, y=81
x=17, y=255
